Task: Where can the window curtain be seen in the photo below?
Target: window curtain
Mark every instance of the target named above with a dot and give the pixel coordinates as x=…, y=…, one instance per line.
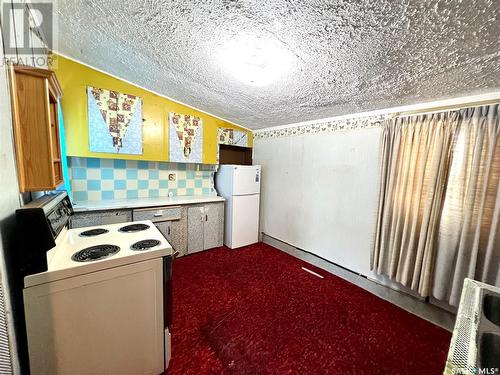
x=468, y=243
x=414, y=160
x=439, y=201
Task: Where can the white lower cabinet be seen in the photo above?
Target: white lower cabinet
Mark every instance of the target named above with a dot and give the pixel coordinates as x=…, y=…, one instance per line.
x=205, y=227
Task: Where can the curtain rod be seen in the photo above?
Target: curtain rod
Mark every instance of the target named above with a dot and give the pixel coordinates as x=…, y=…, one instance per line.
x=445, y=108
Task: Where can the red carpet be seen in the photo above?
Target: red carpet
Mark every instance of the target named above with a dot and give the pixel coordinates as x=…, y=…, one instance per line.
x=255, y=311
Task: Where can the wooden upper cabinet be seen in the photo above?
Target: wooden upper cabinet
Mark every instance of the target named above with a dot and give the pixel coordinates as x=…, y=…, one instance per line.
x=35, y=93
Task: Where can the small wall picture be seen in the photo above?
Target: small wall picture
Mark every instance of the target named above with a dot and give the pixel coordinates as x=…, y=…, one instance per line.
x=232, y=137
x=186, y=138
x=115, y=122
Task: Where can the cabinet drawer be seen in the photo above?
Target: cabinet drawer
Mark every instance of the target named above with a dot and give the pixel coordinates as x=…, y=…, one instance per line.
x=158, y=214
x=93, y=218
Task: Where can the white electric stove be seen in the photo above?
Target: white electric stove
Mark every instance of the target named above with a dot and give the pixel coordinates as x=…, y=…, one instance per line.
x=83, y=250
x=102, y=301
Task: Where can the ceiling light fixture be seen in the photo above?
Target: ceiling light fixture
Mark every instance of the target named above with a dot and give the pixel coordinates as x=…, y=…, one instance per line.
x=254, y=60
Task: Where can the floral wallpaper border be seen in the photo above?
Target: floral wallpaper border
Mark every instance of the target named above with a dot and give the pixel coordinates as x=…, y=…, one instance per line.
x=323, y=126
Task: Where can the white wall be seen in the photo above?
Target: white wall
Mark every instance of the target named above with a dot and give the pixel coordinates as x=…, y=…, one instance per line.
x=320, y=189
x=9, y=202
x=319, y=193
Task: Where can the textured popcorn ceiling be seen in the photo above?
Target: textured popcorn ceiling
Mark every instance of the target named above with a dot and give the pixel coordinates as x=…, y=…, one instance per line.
x=339, y=57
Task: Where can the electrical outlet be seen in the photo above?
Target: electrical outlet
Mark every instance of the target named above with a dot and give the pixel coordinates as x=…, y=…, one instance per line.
x=172, y=177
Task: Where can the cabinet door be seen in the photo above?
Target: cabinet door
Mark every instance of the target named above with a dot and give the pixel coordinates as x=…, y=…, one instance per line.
x=36, y=131
x=195, y=229
x=211, y=226
x=165, y=229
x=178, y=235
x=174, y=233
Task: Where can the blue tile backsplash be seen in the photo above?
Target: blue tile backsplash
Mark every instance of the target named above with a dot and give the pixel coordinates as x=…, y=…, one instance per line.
x=104, y=179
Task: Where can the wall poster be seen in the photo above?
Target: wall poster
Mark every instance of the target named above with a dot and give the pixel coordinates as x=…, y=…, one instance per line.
x=232, y=137
x=185, y=138
x=115, y=122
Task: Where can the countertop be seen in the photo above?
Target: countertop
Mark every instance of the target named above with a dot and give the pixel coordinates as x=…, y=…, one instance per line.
x=117, y=204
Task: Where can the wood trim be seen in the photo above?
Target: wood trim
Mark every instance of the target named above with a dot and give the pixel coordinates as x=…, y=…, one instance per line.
x=17, y=133
x=42, y=187
x=50, y=75
x=56, y=133
x=55, y=86
x=48, y=131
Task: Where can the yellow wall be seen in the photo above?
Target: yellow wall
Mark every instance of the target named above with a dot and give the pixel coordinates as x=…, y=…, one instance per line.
x=75, y=78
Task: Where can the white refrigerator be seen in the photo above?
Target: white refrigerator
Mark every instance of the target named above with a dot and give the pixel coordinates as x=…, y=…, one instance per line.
x=240, y=185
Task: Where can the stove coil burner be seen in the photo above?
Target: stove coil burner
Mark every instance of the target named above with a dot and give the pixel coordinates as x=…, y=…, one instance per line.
x=93, y=232
x=133, y=228
x=144, y=245
x=93, y=253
